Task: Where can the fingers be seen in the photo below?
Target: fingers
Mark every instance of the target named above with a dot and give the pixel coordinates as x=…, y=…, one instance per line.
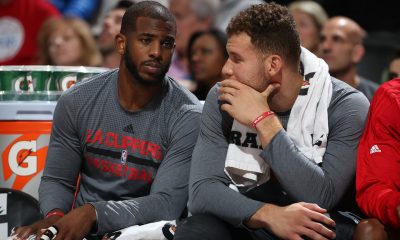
x=317, y=230
x=270, y=89
x=231, y=83
x=313, y=207
x=227, y=90
x=321, y=218
x=310, y=234
x=22, y=232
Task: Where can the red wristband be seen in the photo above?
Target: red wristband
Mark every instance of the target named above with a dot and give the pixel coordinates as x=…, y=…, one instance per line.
x=261, y=117
x=55, y=213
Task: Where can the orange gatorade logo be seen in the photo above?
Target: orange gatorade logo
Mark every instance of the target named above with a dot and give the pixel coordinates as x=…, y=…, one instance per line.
x=22, y=158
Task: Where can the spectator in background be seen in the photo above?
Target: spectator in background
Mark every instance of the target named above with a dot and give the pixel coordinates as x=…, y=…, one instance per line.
x=111, y=27
x=207, y=55
x=84, y=9
x=342, y=48
x=68, y=42
x=191, y=16
x=20, y=21
x=393, y=70
x=378, y=166
x=310, y=17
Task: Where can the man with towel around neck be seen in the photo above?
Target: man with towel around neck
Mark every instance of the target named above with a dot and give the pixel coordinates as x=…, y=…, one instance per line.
x=278, y=140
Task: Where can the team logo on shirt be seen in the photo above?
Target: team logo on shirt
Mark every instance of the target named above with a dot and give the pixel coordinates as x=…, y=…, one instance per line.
x=124, y=156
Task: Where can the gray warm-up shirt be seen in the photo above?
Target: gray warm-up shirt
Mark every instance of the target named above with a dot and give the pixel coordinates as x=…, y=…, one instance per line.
x=294, y=177
x=134, y=166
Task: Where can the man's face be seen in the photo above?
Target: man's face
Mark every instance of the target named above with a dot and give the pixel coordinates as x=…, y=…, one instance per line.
x=337, y=46
x=394, y=69
x=186, y=23
x=111, y=27
x=149, y=49
x=248, y=66
x=244, y=63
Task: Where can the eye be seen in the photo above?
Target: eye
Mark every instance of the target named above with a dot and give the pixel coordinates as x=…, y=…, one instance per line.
x=145, y=40
x=234, y=59
x=168, y=44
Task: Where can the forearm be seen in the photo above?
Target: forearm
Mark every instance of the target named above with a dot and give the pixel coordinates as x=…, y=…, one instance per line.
x=115, y=215
x=55, y=195
x=302, y=178
x=209, y=190
x=216, y=198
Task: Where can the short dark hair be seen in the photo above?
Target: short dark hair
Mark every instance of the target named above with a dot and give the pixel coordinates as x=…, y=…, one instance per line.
x=148, y=9
x=123, y=4
x=216, y=34
x=272, y=30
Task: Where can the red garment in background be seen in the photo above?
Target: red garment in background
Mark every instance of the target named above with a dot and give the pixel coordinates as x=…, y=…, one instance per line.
x=378, y=162
x=20, y=21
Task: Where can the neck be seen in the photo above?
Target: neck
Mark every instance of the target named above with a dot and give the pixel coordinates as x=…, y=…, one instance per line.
x=349, y=76
x=284, y=100
x=133, y=95
x=111, y=60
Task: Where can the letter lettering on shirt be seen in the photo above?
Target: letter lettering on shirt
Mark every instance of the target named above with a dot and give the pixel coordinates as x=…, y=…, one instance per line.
x=252, y=139
x=98, y=137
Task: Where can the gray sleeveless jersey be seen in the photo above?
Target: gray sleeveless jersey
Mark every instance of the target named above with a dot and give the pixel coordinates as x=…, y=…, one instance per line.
x=133, y=166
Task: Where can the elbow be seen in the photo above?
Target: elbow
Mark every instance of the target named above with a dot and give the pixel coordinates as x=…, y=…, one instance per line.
x=194, y=205
x=196, y=202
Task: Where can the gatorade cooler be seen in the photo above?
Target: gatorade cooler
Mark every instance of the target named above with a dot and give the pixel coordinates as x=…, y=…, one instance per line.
x=24, y=138
x=28, y=96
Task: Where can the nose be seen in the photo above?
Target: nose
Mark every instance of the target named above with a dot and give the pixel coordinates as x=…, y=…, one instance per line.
x=107, y=22
x=55, y=42
x=195, y=57
x=155, y=50
x=227, y=69
x=325, y=45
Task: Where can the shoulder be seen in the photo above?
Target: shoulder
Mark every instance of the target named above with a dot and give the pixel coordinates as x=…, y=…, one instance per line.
x=179, y=99
x=367, y=87
x=342, y=92
x=368, y=84
x=347, y=103
x=388, y=91
x=81, y=91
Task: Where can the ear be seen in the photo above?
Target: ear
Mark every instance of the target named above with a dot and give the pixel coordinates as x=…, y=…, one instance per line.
x=273, y=65
x=358, y=53
x=119, y=42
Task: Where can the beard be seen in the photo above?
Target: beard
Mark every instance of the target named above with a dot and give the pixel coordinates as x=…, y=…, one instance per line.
x=130, y=65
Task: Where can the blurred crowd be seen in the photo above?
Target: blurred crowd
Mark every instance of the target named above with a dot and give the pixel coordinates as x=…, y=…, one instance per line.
x=74, y=33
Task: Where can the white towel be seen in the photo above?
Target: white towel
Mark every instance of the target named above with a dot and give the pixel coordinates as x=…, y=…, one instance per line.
x=150, y=231
x=307, y=127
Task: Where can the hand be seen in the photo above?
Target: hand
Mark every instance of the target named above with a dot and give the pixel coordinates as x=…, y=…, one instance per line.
x=24, y=232
x=77, y=223
x=242, y=102
x=294, y=221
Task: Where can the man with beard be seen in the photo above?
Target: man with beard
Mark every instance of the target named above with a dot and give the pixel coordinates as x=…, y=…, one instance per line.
x=127, y=134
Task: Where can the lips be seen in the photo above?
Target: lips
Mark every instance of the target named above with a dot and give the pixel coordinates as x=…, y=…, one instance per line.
x=152, y=67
